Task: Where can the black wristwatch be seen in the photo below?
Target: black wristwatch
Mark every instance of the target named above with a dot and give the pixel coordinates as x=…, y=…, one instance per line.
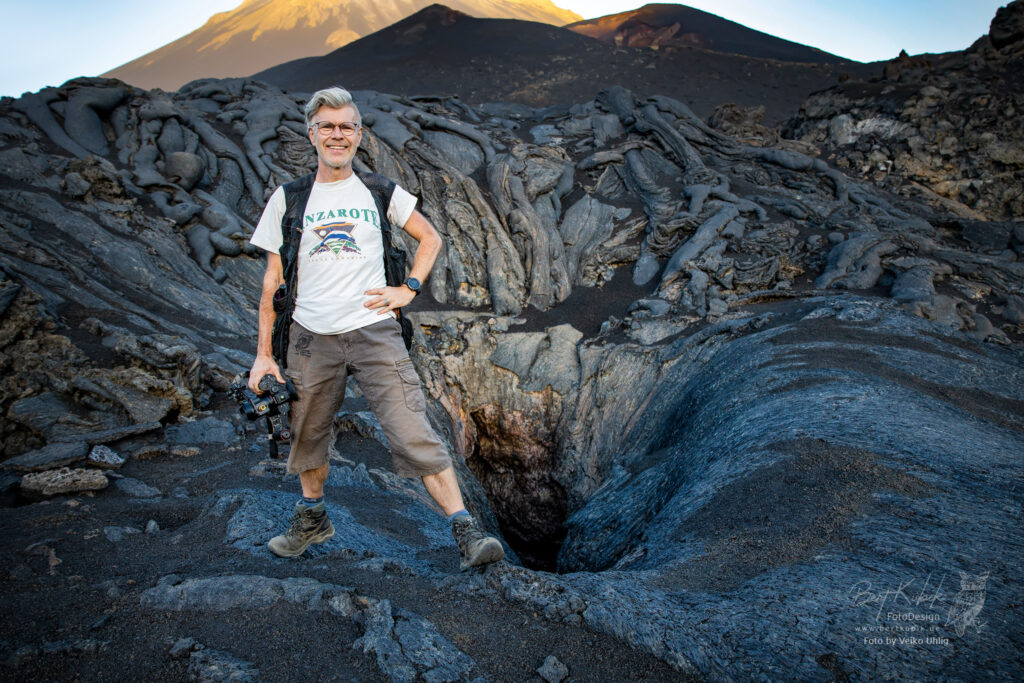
x=413, y=284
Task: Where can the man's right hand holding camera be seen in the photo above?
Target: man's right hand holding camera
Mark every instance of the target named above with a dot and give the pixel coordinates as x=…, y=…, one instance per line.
x=263, y=365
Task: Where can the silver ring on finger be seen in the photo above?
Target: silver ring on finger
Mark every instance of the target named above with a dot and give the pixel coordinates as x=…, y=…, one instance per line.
x=387, y=302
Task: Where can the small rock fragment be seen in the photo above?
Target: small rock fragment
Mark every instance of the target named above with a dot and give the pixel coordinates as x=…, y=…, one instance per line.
x=185, y=451
x=149, y=452
x=717, y=307
x=75, y=185
x=552, y=670
x=657, y=307
x=182, y=648
x=152, y=527
x=136, y=488
x=105, y=457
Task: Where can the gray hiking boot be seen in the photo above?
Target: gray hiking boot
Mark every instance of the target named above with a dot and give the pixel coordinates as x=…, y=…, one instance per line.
x=309, y=525
x=475, y=546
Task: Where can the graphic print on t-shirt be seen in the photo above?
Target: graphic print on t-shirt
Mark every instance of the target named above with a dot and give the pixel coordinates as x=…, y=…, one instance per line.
x=335, y=239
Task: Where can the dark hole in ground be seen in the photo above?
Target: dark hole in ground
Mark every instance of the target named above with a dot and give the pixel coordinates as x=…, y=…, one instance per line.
x=534, y=529
x=514, y=463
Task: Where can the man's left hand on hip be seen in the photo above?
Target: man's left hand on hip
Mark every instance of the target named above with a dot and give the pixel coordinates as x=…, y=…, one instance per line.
x=389, y=298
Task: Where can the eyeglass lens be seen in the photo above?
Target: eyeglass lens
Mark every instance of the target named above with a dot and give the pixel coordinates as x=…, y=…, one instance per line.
x=347, y=128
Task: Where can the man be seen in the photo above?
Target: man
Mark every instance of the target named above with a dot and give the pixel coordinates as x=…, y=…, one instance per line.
x=343, y=323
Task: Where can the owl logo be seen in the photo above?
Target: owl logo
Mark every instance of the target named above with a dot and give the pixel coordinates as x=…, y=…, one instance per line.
x=968, y=603
x=335, y=238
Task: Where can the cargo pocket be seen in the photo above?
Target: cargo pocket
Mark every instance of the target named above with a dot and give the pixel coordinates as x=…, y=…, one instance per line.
x=411, y=386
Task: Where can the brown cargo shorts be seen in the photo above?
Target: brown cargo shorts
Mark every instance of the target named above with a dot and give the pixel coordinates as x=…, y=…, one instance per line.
x=375, y=355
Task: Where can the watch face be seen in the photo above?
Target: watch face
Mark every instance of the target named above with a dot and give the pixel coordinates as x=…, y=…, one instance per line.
x=413, y=284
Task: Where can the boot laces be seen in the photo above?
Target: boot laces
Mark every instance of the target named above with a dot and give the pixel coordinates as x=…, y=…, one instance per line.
x=468, y=533
x=302, y=522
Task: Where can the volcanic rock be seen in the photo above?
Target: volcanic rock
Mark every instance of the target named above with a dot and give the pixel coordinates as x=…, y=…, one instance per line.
x=208, y=430
x=105, y=458
x=183, y=646
x=184, y=169
x=405, y=644
x=1007, y=27
x=939, y=127
x=149, y=452
x=112, y=435
x=552, y=670
x=683, y=377
x=63, y=480
x=51, y=457
x=136, y=489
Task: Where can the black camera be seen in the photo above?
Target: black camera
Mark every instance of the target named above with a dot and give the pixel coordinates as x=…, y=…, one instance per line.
x=272, y=405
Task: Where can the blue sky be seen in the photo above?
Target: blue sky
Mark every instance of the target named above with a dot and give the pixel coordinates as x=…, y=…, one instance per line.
x=48, y=43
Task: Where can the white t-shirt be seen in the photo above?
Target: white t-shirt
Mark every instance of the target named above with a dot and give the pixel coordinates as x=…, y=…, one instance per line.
x=341, y=253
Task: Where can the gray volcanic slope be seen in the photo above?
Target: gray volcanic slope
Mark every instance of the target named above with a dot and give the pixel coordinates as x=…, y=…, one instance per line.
x=441, y=51
x=736, y=414
x=665, y=25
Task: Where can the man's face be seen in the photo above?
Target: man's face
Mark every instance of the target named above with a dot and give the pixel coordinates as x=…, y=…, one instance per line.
x=336, y=149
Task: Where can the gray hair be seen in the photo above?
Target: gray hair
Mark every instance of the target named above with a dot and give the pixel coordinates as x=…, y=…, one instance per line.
x=335, y=97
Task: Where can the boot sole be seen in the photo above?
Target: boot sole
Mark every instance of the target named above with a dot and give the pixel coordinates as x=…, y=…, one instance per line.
x=325, y=535
x=492, y=552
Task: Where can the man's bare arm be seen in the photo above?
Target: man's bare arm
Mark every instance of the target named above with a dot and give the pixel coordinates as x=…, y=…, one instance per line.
x=420, y=229
x=265, y=363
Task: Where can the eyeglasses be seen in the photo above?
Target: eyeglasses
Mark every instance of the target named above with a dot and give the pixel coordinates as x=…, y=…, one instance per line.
x=326, y=128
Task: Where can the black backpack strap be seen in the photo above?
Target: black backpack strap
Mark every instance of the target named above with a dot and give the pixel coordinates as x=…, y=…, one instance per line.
x=296, y=194
x=394, y=258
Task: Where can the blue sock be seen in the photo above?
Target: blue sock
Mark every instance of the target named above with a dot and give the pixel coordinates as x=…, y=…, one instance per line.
x=460, y=513
x=310, y=502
